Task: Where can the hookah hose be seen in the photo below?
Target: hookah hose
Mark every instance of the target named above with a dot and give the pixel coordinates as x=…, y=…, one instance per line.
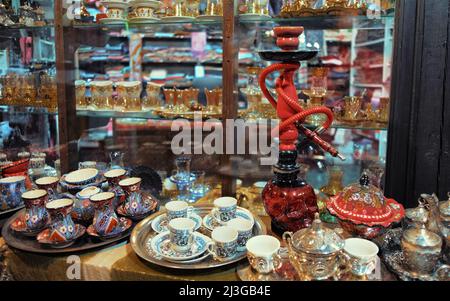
x=301, y=114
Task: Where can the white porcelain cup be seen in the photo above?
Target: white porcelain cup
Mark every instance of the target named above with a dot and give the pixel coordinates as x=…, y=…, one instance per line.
x=263, y=253
x=224, y=242
x=225, y=209
x=181, y=234
x=177, y=209
x=361, y=255
x=244, y=228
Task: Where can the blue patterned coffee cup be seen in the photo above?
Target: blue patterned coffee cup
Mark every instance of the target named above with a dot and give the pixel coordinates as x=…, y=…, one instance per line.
x=225, y=209
x=224, y=243
x=244, y=228
x=178, y=209
x=181, y=234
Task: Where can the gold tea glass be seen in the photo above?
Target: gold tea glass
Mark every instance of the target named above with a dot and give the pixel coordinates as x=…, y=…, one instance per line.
x=214, y=8
x=80, y=93
x=383, y=109
x=192, y=8
x=153, y=99
x=102, y=95
x=352, y=107
x=257, y=7
x=214, y=100
x=171, y=97
x=129, y=98
x=28, y=90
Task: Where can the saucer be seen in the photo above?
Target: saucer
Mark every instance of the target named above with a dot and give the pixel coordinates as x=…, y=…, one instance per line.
x=19, y=226
x=124, y=225
x=254, y=17
x=112, y=21
x=159, y=224
x=151, y=210
x=143, y=20
x=209, y=222
x=160, y=244
x=150, y=3
x=44, y=235
x=209, y=18
x=177, y=18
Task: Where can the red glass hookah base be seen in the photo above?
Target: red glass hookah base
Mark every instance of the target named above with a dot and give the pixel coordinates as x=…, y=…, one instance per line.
x=290, y=208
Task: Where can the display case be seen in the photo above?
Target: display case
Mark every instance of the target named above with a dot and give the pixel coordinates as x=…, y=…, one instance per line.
x=28, y=99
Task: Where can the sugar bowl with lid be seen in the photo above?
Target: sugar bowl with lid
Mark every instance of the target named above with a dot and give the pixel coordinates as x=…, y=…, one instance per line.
x=315, y=252
x=363, y=210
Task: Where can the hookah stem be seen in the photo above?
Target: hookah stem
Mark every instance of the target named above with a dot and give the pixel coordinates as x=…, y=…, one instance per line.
x=301, y=113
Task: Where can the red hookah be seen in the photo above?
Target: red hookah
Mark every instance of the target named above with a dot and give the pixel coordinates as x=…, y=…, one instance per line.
x=290, y=201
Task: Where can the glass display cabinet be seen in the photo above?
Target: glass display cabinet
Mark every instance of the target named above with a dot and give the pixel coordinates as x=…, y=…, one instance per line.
x=28, y=97
x=129, y=79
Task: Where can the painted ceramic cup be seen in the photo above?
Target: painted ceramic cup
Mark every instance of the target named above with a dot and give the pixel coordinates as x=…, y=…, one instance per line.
x=263, y=253
x=177, y=209
x=225, y=209
x=83, y=209
x=135, y=203
x=105, y=220
x=224, y=244
x=11, y=189
x=37, y=163
x=244, y=228
x=23, y=155
x=50, y=184
x=361, y=255
x=114, y=176
x=36, y=215
x=87, y=164
x=181, y=234
x=62, y=227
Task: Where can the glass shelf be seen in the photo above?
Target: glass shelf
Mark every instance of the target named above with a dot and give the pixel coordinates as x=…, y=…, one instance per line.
x=18, y=109
x=149, y=115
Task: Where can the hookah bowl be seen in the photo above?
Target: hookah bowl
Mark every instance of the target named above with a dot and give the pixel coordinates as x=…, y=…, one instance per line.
x=290, y=201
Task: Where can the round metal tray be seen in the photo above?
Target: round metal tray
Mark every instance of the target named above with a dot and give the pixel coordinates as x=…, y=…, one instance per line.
x=143, y=233
x=30, y=244
x=9, y=211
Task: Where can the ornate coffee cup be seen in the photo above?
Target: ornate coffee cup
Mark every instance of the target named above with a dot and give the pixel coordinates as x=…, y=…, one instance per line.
x=83, y=210
x=181, y=234
x=114, y=176
x=224, y=244
x=105, y=220
x=244, y=227
x=178, y=209
x=225, y=209
x=62, y=227
x=263, y=253
x=36, y=215
x=50, y=184
x=361, y=255
x=11, y=189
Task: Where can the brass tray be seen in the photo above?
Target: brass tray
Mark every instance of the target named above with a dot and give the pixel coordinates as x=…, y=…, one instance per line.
x=30, y=244
x=143, y=232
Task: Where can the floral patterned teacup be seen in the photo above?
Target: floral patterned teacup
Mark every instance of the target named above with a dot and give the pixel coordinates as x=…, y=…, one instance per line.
x=36, y=215
x=263, y=253
x=62, y=227
x=83, y=210
x=135, y=204
x=50, y=184
x=114, y=176
x=11, y=189
x=106, y=222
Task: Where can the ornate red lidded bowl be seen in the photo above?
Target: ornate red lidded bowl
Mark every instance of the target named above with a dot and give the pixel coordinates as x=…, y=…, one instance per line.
x=363, y=210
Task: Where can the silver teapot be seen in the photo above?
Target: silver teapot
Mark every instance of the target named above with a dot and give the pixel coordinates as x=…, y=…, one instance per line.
x=444, y=226
x=315, y=252
x=421, y=249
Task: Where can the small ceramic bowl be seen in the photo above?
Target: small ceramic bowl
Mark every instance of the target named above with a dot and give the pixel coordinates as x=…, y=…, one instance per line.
x=82, y=176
